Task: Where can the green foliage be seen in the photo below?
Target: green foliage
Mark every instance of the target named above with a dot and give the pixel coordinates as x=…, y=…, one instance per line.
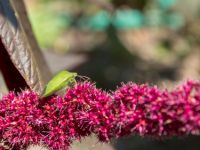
x=48, y=26
x=51, y=19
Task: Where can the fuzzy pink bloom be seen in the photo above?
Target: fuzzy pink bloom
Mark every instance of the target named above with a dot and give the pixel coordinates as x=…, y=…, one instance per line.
x=57, y=134
x=56, y=121
x=18, y=115
x=91, y=109
x=149, y=111
x=1, y=148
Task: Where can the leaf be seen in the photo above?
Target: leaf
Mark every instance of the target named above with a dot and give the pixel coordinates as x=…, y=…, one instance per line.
x=59, y=81
x=18, y=39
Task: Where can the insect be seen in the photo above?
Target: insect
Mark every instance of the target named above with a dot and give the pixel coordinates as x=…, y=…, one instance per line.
x=59, y=81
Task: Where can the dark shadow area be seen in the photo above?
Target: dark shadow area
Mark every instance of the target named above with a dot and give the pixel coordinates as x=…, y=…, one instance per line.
x=111, y=63
x=12, y=77
x=138, y=143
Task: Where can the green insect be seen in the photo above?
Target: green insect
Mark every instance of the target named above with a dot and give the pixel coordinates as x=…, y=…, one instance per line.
x=59, y=81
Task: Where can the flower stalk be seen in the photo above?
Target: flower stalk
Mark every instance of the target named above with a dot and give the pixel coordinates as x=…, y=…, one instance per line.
x=84, y=109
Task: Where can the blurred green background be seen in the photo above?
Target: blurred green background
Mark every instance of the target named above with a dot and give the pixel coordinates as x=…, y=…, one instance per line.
x=113, y=41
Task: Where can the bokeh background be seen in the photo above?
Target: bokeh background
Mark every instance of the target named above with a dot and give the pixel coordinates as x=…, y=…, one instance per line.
x=114, y=41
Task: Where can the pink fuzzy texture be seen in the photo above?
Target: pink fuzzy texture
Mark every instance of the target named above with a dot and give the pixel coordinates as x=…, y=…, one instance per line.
x=56, y=121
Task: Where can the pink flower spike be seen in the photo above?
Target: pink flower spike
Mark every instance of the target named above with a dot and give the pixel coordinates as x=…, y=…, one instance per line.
x=56, y=121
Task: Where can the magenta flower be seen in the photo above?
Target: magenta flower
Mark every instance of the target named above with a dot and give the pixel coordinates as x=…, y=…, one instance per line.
x=91, y=109
x=18, y=115
x=149, y=111
x=56, y=121
x=1, y=148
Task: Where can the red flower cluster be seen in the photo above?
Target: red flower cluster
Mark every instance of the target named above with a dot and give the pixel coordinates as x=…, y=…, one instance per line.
x=56, y=121
x=149, y=111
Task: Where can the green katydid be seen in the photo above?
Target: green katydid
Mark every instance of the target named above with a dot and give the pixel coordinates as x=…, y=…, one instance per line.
x=59, y=81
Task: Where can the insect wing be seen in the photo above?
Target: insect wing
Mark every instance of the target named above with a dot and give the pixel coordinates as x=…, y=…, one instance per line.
x=59, y=81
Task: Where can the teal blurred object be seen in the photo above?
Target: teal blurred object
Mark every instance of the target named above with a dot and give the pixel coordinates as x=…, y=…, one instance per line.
x=128, y=19
x=166, y=4
x=132, y=19
x=174, y=21
x=98, y=22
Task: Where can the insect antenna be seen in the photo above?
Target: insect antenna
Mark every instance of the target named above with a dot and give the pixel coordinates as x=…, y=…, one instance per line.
x=83, y=78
